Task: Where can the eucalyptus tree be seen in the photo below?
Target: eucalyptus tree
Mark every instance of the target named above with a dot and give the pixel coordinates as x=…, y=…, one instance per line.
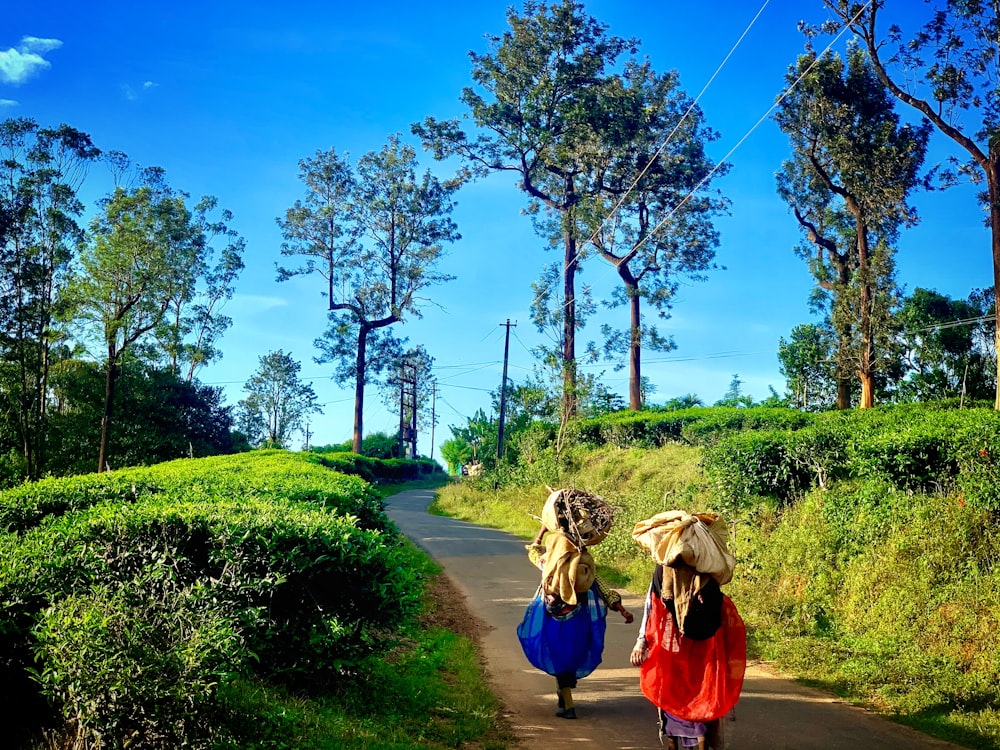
x=852, y=169
x=41, y=170
x=195, y=320
x=652, y=221
x=947, y=70
x=534, y=112
x=277, y=399
x=141, y=257
x=376, y=232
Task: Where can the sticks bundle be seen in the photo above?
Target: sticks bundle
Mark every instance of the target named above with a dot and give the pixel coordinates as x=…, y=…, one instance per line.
x=585, y=518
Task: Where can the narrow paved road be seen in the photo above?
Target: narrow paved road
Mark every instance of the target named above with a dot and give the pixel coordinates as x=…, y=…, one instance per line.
x=492, y=570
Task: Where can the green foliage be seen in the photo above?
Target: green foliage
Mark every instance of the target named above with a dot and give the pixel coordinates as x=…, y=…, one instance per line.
x=277, y=399
x=751, y=465
x=159, y=417
x=376, y=470
x=945, y=358
x=807, y=364
x=183, y=574
x=141, y=663
x=456, y=451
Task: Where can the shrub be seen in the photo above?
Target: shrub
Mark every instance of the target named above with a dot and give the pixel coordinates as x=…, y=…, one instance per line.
x=136, y=664
x=202, y=555
x=916, y=458
x=754, y=464
x=313, y=590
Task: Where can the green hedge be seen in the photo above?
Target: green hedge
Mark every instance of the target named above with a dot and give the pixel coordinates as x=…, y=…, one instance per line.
x=278, y=473
x=905, y=448
x=208, y=567
x=697, y=425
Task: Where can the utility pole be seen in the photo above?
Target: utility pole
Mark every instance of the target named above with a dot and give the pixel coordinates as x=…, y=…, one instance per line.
x=402, y=400
x=413, y=412
x=434, y=391
x=407, y=397
x=503, y=389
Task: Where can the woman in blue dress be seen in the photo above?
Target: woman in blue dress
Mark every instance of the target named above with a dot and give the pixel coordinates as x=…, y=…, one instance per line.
x=563, y=629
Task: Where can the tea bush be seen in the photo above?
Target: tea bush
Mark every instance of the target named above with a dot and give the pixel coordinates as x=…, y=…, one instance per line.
x=179, y=575
x=122, y=663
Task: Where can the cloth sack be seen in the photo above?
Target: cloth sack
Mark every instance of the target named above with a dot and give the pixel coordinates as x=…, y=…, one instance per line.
x=566, y=569
x=570, y=644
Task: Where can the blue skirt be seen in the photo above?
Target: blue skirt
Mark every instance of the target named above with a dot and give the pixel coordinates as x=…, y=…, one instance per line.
x=570, y=644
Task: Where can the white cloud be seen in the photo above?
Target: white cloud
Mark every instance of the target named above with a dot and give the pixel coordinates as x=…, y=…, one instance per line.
x=8, y=103
x=39, y=45
x=133, y=94
x=18, y=64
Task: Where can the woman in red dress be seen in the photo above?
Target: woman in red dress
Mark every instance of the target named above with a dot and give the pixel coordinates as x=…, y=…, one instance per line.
x=692, y=642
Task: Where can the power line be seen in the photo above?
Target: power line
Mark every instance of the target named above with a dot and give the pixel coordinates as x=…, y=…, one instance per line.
x=739, y=143
x=953, y=324
x=664, y=144
x=670, y=136
x=757, y=124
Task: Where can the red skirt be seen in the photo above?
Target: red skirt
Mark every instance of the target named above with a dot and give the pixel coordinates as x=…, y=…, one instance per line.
x=694, y=680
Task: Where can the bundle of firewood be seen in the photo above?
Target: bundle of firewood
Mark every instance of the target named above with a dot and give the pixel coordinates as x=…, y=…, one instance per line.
x=584, y=518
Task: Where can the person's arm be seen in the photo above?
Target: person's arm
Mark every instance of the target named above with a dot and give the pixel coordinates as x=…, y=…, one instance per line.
x=536, y=550
x=613, y=599
x=641, y=648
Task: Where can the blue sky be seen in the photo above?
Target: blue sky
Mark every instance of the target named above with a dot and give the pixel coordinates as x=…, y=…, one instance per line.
x=227, y=97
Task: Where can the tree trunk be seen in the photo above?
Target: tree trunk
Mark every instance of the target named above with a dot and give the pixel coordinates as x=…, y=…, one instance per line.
x=866, y=355
x=570, y=264
x=635, y=342
x=843, y=393
x=993, y=185
x=109, y=400
x=359, y=388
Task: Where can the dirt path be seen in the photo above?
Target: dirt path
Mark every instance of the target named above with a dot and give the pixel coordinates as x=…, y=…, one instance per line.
x=491, y=570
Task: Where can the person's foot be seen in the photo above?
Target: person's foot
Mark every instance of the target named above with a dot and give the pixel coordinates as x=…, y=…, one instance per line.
x=566, y=713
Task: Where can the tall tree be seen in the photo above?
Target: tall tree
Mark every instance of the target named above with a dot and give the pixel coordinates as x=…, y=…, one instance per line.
x=535, y=114
x=140, y=259
x=377, y=234
x=278, y=397
x=41, y=170
x=652, y=220
x=947, y=70
x=195, y=320
x=317, y=228
x=852, y=169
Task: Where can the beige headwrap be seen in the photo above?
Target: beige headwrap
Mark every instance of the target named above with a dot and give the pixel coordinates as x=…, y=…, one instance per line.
x=692, y=550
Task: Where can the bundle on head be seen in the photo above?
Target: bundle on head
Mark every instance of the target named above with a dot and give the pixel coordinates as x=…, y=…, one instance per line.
x=585, y=518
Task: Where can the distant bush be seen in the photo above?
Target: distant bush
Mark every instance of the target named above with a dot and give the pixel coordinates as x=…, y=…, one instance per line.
x=906, y=447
